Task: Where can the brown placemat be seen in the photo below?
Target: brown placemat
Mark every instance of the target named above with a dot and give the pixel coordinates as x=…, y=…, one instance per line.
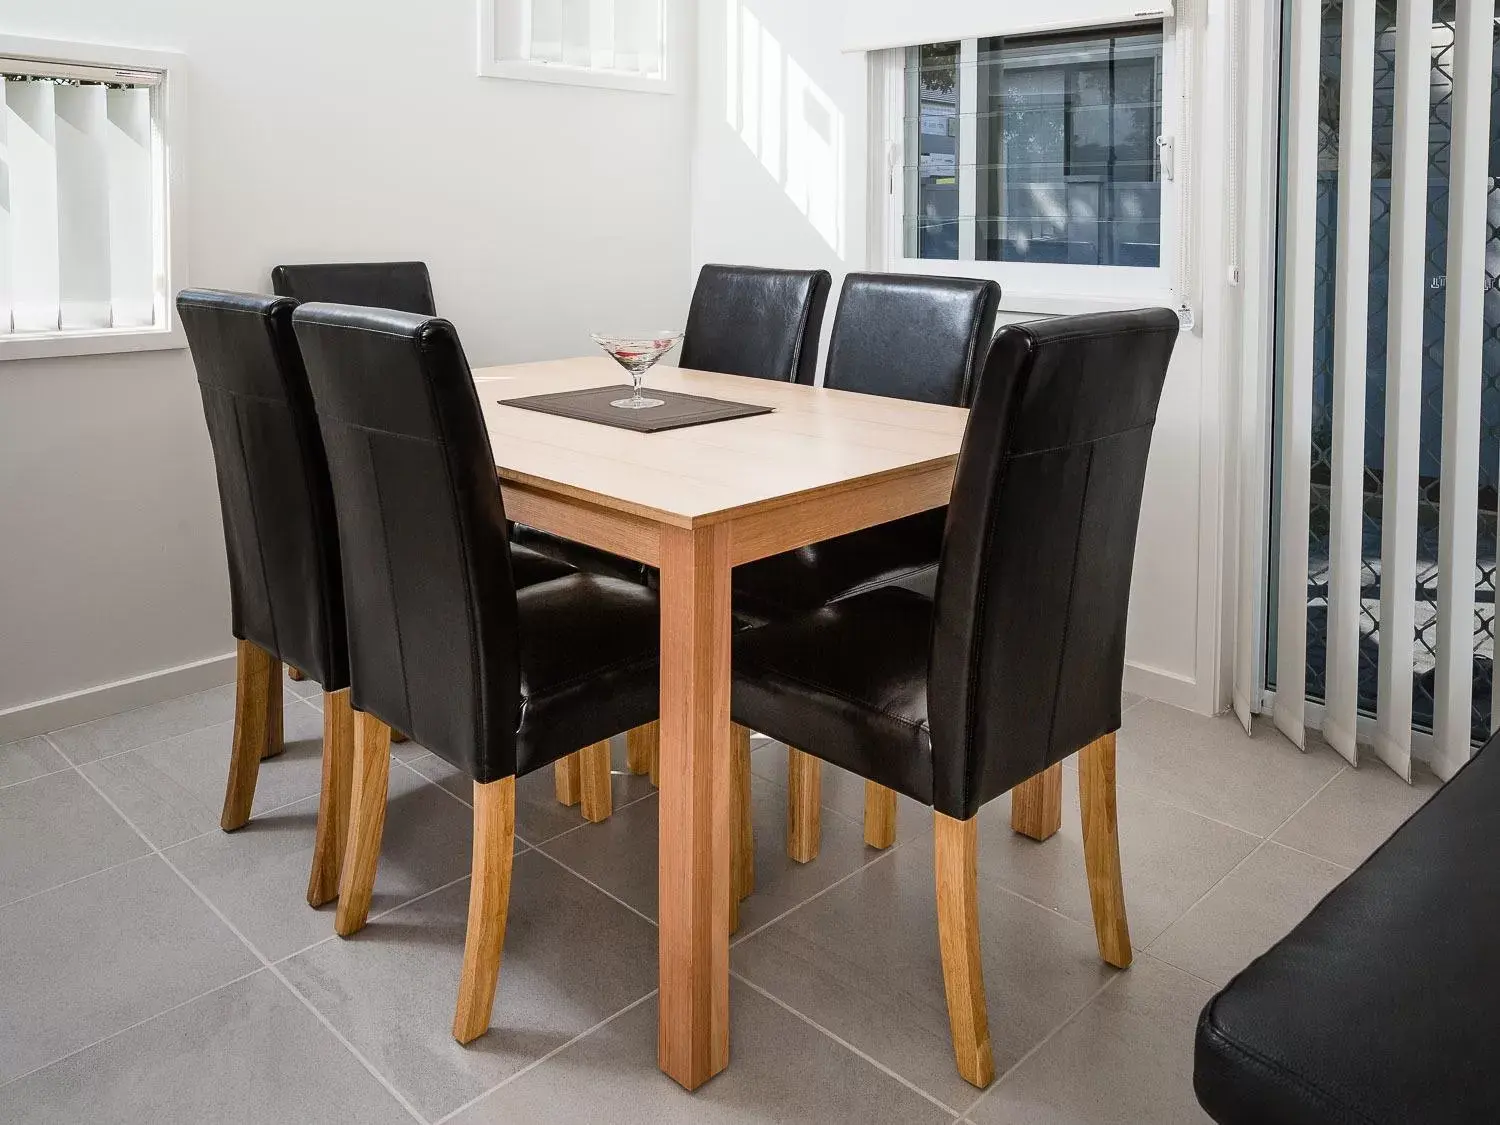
x=677, y=410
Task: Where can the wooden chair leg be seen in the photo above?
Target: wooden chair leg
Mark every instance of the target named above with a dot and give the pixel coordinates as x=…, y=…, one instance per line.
x=956, y=862
x=880, y=815
x=257, y=714
x=333, y=801
x=567, y=776
x=489, y=902
x=654, y=749
x=1036, y=805
x=367, y=799
x=744, y=838
x=1101, y=850
x=294, y=674
x=640, y=747
x=275, y=732
x=596, y=795
x=398, y=737
x=804, y=783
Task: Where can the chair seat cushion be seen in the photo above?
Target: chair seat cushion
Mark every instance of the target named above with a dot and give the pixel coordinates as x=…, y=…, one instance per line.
x=580, y=556
x=589, y=654
x=797, y=582
x=848, y=683
x=1380, y=1006
x=530, y=567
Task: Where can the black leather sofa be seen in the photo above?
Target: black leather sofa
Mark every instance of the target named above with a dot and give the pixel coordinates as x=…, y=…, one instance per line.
x=1383, y=1005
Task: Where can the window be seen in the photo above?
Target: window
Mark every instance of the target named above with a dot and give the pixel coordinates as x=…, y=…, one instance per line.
x=623, y=44
x=84, y=247
x=1041, y=160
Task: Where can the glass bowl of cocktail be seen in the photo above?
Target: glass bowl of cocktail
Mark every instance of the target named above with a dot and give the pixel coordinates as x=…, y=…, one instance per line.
x=637, y=353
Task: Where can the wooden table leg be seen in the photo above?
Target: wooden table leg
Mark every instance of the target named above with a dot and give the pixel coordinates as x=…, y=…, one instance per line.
x=1036, y=804
x=694, y=861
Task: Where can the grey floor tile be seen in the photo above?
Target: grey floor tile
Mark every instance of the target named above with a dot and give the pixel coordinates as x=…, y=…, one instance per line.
x=780, y=1069
x=173, y=790
x=1126, y=1059
x=863, y=961
x=539, y=816
x=1357, y=812
x=307, y=689
x=56, y=828
x=258, y=875
x=620, y=855
x=249, y=1053
x=31, y=757
x=100, y=954
x=572, y=957
x=1254, y=907
x=1169, y=856
x=1211, y=767
x=1129, y=699
x=145, y=725
x=843, y=792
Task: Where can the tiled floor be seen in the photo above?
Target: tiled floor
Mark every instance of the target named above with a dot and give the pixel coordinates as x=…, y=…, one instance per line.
x=154, y=969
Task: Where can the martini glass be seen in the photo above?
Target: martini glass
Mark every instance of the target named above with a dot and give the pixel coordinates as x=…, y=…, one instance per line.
x=637, y=353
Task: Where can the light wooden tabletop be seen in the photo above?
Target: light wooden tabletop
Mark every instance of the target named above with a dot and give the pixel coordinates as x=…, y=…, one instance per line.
x=817, y=442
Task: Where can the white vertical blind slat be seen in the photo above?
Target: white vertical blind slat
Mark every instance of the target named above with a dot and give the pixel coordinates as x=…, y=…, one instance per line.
x=132, y=266
x=968, y=148
x=1297, y=362
x=577, y=43
x=544, y=35
x=1403, y=383
x=1350, y=332
x=1462, y=357
x=82, y=206
x=602, y=31
x=31, y=125
x=5, y=219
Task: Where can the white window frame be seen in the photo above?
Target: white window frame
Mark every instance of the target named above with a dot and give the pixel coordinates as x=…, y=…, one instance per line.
x=516, y=67
x=170, y=209
x=1045, y=288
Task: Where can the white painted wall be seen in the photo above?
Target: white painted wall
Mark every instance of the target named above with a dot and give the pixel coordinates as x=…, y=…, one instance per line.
x=745, y=210
x=318, y=130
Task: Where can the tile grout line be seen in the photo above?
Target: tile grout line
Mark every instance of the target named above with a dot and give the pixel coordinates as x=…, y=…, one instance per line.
x=261, y=957
x=885, y=854
x=842, y=1042
x=50, y=773
x=597, y=887
x=386, y=913
x=75, y=879
x=132, y=1027
x=549, y=1055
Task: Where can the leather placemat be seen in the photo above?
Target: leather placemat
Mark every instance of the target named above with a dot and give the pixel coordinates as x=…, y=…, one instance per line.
x=677, y=410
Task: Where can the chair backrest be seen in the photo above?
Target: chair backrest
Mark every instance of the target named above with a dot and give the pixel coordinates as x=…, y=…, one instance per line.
x=1028, y=644
x=910, y=336
x=433, y=648
x=745, y=320
x=404, y=286
x=279, y=532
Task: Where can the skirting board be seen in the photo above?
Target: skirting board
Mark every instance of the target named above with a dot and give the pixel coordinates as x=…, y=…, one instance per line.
x=1168, y=687
x=110, y=699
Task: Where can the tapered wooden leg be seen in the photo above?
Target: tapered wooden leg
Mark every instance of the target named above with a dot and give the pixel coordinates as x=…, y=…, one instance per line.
x=744, y=845
x=596, y=795
x=294, y=674
x=568, y=778
x=1101, y=850
x=880, y=815
x=804, y=783
x=957, y=854
x=1036, y=804
x=333, y=801
x=397, y=736
x=367, y=798
x=257, y=703
x=693, y=861
x=640, y=748
x=489, y=902
x=275, y=735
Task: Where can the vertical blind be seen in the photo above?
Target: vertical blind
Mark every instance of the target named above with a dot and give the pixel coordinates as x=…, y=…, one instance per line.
x=77, y=202
x=624, y=36
x=1389, y=378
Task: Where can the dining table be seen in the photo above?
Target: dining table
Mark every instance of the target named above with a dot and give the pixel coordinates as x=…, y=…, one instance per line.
x=695, y=503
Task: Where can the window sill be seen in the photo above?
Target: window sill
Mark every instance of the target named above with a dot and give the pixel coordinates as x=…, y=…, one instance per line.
x=108, y=341
x=520, y=70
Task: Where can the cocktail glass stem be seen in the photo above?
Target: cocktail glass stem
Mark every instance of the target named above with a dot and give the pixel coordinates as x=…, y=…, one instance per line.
x=638, y=381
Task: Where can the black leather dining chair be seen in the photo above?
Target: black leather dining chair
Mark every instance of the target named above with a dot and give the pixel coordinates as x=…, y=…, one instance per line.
x=763, y=323
x=286, y=596
x=497, y=681
x=1017, y=662
x=406, y=286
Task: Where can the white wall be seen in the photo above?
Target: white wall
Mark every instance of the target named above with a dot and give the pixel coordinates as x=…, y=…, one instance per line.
x=744, y=210
x=319, y=130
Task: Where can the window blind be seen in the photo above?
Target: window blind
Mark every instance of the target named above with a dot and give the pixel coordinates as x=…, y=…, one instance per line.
x=77, y=198
x=622, y=36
